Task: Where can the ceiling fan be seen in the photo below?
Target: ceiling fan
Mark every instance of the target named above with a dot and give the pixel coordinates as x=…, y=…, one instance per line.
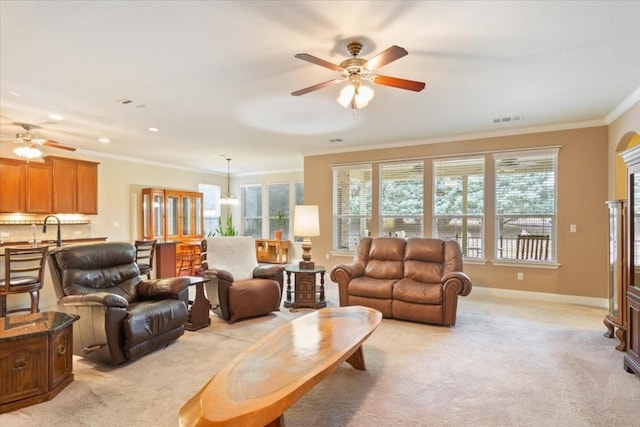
x=29, y=141
x=357, y=70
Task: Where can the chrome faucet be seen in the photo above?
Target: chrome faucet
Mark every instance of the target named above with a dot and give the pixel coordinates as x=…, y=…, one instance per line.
x=44, y=228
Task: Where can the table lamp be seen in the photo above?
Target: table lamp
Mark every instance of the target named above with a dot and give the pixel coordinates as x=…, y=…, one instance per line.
x=306, y=223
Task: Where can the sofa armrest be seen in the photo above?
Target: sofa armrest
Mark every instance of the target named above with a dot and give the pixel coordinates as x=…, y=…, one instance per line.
x=267, y=271
x=342, y=275
x=162, y=288
x=221, y=275
x=459, y=279
x=105, y=299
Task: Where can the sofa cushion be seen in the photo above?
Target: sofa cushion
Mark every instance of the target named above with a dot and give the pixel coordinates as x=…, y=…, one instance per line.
x=424, y=260
x=371, y=288
x=249, y=298
x=150, y=324
x=386, y=258
x=409, y=290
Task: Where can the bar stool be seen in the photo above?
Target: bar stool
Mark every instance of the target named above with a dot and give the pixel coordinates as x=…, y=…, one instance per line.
x=144, y=255
x=23, y=273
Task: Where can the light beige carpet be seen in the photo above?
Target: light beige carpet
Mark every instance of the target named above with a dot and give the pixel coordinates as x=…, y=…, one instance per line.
x=507, y=362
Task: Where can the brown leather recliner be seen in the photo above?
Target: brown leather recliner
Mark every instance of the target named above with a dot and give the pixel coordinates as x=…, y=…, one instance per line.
x=122, y=317
x=416, y=279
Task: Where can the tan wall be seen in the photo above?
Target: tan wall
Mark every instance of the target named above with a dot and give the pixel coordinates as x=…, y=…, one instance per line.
x=582, y=191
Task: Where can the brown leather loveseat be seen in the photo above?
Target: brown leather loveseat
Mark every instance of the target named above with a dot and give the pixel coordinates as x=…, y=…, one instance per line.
x=417, y=279
x=122, y=316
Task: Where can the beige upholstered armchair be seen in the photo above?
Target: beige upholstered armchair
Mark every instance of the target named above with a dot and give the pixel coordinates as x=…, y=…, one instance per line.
x=238, y=285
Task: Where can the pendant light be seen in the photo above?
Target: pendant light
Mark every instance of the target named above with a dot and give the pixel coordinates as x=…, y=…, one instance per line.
x=229, y=198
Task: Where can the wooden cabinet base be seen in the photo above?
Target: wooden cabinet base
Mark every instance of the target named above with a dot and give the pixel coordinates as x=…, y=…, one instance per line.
x=35, y=358
x=12, y=406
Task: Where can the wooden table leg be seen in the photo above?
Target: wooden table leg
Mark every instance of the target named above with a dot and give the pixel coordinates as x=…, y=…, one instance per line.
x=357, y=359
x=199, y=310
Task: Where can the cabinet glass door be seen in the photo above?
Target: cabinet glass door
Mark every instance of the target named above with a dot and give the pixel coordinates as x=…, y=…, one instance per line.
x=173, y=217
x=186, y=216
x=146, y=214
x=198, y=215
x=158, y=215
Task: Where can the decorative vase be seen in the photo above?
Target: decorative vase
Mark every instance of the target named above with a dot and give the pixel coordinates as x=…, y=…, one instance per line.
x=277, y=235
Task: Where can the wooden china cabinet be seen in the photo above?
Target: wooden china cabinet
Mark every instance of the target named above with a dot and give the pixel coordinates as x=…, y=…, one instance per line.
x=632, y=357
x=616, y=319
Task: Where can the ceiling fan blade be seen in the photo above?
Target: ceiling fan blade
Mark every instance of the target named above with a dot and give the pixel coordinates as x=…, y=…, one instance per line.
x=316, y=87
x=386, y=56
x=318, y=61
x=399, y=83
x=53, y=144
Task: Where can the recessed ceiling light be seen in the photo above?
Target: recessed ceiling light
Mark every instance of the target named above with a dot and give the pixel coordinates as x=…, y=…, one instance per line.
x=335, y=140
x=55, y=116
x=104, y=140
x=153, y=129
x=14, y=93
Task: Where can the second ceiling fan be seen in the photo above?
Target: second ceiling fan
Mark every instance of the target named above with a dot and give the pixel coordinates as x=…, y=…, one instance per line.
x=356, y=70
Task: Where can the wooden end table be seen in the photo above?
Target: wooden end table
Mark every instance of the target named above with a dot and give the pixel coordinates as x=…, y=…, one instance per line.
x=306, y=293
x=35, y=357
x=199, y=308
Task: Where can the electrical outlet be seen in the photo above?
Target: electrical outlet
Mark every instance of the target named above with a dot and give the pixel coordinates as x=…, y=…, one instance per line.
x=77, y=232
x=5, y=234
x=327, y=256
x=520, y=276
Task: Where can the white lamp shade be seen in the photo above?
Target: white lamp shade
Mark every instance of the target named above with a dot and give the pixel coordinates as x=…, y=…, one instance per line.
x=306, y=221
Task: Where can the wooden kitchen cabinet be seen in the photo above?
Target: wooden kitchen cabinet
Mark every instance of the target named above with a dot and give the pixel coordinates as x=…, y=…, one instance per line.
x=64, y=184
x=12, y=196
x=87, y=195
x=38, y=183
x=57, y=185
x=74, y=185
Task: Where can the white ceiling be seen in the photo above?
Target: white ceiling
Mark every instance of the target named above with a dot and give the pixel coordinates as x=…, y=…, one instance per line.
x=216, y=76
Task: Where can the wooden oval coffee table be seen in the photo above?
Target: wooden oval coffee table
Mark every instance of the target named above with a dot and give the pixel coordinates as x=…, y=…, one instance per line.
x=258, y=386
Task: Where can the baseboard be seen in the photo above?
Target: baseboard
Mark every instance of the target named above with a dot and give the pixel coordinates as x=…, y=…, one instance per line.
x=542, y=296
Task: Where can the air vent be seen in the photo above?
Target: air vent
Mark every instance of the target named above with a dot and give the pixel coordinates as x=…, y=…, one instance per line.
x=124, y=101
x=508, y=119
x=335, y=140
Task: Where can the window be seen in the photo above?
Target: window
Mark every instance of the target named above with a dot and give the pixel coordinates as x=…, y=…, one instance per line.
x=458, y=203
x=352, y=193
x=401, y=199
x=251, y=202
x=261, y=204
x=278, y=205
x=211, y=204
x=299, y=200
x=525, y=200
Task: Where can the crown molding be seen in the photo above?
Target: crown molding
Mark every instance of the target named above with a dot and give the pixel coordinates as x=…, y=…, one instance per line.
x=628, y=102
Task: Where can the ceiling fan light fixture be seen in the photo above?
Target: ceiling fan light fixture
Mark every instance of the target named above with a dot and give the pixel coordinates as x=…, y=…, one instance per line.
x=27, y=152
x=229, y=198
x=355, y=96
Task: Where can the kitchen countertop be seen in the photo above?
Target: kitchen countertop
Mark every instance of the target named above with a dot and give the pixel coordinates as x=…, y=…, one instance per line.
x=50, y=242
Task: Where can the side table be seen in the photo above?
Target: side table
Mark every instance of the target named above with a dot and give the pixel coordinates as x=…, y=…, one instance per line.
x=306, y=293
x=36, y=360
x=199, y=308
